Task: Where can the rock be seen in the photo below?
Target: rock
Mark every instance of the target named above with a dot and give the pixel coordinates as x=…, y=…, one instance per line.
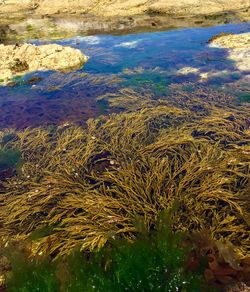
x=196, y=7
x=238, y=46
x=29, y=19
x=21, y=59
x=134, y=7
x=232, y=41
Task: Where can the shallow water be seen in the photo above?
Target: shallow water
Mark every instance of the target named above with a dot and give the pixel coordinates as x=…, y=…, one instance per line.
x=147, y=60
x=186, y=151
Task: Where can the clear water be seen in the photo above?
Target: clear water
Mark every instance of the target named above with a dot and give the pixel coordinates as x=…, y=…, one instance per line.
x=141, y=60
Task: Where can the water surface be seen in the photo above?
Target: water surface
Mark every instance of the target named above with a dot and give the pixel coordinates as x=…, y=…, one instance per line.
x=146, y=60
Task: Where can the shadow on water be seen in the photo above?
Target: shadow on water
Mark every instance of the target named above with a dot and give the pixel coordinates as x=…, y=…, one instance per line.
x=152, y=60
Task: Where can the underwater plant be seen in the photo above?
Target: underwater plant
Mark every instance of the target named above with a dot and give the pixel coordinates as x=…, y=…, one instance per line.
x=155, y=261
x=244, y=97
x=86, y=185
x=28, y=275
x=10, y=162
x=79, y=186
x=9, y=158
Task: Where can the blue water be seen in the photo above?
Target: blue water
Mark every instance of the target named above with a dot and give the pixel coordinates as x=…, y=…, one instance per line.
x=141, y=60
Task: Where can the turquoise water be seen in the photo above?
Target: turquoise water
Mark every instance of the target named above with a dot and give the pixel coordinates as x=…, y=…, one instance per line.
x=145, y=60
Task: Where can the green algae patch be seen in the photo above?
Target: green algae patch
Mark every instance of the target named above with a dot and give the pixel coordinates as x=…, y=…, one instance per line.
x=37, y=28
x=42, y=232
x=152, y=80
x=31, y=274
x=155, y=261
x=9, y=159
x=244, y=97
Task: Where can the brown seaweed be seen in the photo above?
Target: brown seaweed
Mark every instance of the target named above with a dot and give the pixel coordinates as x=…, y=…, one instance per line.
x=91, y=184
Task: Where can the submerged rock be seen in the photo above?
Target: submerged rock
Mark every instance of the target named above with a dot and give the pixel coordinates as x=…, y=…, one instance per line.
x=238, y=46
x=21, y=59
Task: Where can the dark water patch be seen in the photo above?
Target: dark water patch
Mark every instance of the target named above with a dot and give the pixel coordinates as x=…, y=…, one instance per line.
x=51, y=102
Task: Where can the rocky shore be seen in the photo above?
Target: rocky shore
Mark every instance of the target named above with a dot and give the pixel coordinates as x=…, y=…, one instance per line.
x=30, y=17
x=105, y=8
x=18, y=60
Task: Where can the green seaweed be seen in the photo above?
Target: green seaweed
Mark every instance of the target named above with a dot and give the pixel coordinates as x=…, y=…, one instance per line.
x=9, y=158
x=244, y=97
x=151, y=80
x=188, y=88
x=28, y=275
x=155, y=261
x=42, y=232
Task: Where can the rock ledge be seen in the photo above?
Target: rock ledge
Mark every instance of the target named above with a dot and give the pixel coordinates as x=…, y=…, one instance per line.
x=18, y=60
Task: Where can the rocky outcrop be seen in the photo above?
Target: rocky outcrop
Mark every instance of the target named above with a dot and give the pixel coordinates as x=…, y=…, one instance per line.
x=238, y=46
x=132, y=7
x=21, y=59
x=95, y=16
x=197, y=7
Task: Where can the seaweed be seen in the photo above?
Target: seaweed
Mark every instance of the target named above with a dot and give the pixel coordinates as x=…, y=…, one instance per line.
x=28, y=275
x=244, y=97
x=9, y=158
x=155, y=261
x=87, y=184
x=92, y=183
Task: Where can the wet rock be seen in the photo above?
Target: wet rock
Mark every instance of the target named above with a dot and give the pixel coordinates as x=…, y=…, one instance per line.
x=21, y=59
x=4, y=30
x=232, y=41
x=215, y=37
x=238, y=46
x=34, y=80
